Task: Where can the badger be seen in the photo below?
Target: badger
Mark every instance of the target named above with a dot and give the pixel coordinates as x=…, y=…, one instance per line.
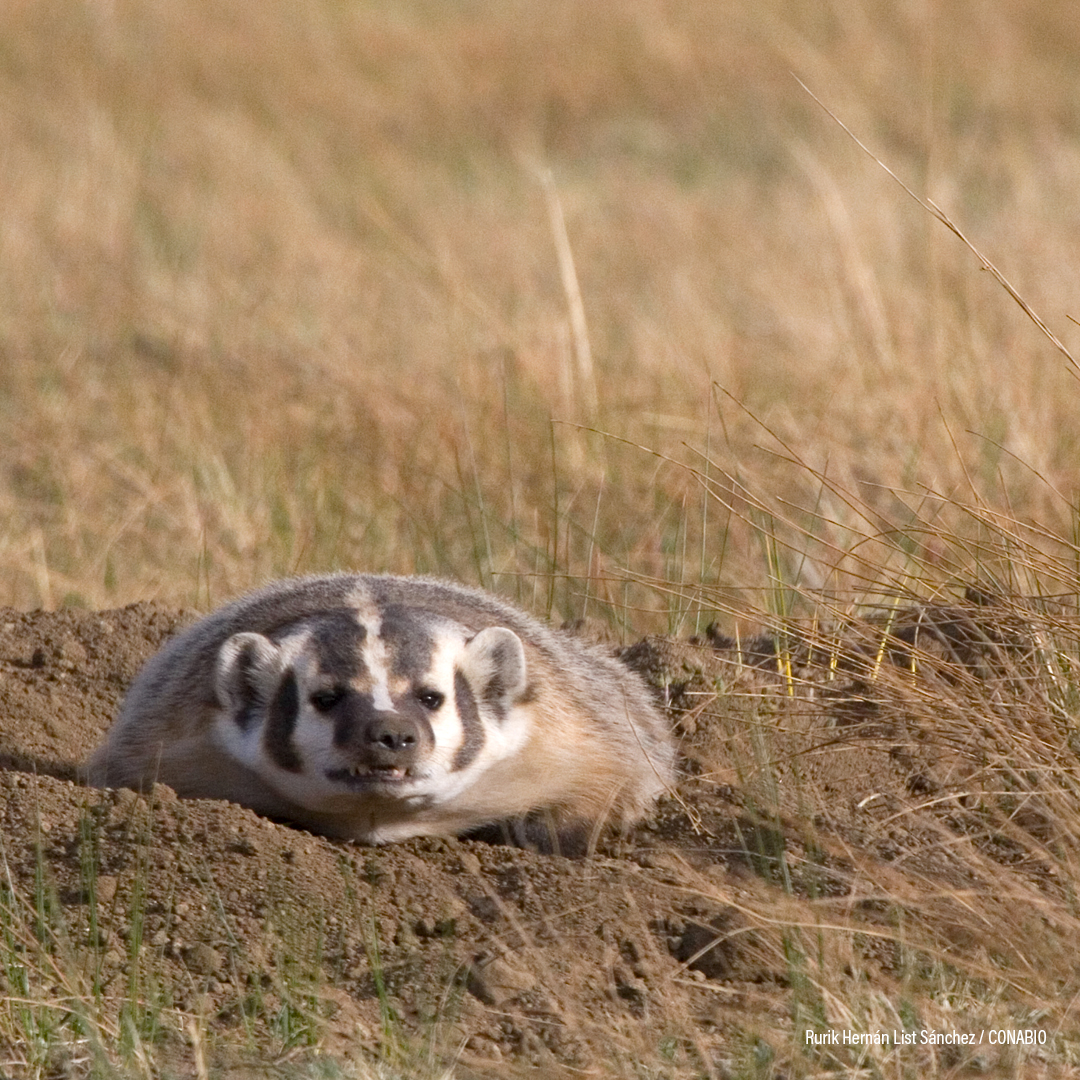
x=375, y=708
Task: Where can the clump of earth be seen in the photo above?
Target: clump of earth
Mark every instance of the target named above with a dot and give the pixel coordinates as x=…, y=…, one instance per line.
x=830, y=820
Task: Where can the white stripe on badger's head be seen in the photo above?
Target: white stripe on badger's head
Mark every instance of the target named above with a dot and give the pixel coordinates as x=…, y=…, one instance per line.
x=377, y=663
x=373, y=652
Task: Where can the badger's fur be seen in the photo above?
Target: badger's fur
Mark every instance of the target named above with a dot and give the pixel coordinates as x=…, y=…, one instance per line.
x=377, y=708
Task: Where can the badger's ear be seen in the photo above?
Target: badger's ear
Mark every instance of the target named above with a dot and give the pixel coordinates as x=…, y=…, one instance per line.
x=248, y=671
x=494, y=667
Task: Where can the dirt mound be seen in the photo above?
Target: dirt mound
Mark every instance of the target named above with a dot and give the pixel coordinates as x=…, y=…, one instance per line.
x=808, y=858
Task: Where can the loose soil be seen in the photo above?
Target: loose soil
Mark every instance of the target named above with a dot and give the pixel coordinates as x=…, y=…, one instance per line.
x=839, y=836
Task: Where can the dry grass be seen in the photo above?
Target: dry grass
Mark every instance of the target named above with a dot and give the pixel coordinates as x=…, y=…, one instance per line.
x=280, y=288
x=283, y=288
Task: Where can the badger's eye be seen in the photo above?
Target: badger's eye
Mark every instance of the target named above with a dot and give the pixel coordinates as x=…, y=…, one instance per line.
x=325, y=700
x=430, y=699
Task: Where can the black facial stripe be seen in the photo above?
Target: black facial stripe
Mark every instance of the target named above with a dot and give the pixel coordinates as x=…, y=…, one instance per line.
x=347, y=719
x=474, y=739
x=281, y=723
x=410, y=641
x=337, y=639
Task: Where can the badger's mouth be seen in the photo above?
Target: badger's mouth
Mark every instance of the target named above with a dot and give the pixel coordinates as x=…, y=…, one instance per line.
x=369, y=776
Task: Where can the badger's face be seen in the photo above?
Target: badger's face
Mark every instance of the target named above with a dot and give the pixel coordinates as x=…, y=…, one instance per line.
x=348, y=707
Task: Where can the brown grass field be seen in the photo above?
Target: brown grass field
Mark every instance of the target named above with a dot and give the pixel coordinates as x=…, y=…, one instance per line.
x=593, y=305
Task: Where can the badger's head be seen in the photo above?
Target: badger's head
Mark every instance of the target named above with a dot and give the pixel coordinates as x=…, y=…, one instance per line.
x=346, y=707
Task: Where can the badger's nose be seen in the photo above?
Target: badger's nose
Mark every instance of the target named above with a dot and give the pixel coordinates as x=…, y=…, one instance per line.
x=391, y=740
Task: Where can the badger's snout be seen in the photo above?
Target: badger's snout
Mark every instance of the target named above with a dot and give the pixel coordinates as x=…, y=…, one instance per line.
x=380, y=744
x=390, y=740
